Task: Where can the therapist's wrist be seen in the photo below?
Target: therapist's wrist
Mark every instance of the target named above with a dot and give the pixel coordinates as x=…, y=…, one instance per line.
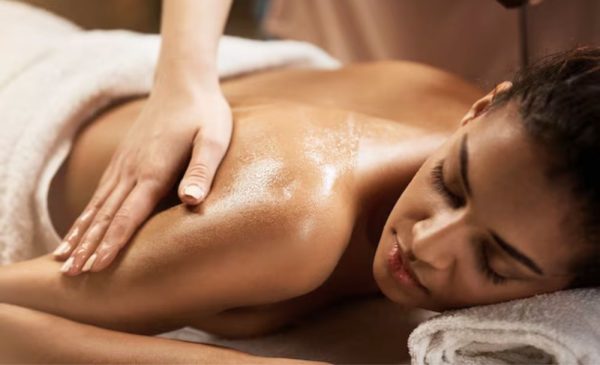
x=187, y=74
x=186, y=91
x=201, y=82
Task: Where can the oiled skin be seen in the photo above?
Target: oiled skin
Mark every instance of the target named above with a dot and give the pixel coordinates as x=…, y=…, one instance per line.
x=292, y=220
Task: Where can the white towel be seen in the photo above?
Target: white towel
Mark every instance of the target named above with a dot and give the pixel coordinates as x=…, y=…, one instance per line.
x=557, y=328
x=54, y=77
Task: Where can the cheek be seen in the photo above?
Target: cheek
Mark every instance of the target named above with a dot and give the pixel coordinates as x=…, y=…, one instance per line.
x=418, y=200
x=528, y=289
x=471, y=288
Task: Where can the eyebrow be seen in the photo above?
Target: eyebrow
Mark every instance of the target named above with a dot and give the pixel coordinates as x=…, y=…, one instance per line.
x=517, y=255
x=508, y=248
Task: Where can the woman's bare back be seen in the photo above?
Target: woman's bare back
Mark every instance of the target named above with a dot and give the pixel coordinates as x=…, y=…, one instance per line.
x=405, y=93
x=296, y=145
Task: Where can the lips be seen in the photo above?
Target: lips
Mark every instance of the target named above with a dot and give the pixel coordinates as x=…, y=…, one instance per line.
x=400, y=267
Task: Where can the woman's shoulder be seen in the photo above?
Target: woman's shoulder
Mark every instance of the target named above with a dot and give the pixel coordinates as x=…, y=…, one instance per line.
x=294, y=160
x=288, y=174
x=285, y=151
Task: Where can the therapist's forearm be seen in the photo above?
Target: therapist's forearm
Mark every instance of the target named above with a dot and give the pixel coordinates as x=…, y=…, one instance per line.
x=190, y=31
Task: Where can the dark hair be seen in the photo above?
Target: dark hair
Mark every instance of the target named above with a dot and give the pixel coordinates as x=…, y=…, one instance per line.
x=558, y=99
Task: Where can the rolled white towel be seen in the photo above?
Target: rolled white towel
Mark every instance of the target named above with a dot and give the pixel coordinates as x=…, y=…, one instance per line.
x=557, y=328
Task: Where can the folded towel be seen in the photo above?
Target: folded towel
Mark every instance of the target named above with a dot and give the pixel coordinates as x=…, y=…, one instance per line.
x=557, y=328
x=54, y=77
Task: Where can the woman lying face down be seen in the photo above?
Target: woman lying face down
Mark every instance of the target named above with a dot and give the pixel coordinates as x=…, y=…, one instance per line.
x=300, y=214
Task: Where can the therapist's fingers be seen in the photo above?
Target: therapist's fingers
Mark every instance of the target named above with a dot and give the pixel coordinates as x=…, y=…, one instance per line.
x=209, y=146
x=107, y=183
x=97, y=228
x=206, y=156
x=134, y=211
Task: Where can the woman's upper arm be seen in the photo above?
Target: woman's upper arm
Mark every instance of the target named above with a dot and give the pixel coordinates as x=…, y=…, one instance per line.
x=222, y=257
x=184, y=265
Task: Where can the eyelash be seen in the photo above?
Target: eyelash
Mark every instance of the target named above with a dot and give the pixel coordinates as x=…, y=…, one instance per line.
x=484, y=265
x=437, y=177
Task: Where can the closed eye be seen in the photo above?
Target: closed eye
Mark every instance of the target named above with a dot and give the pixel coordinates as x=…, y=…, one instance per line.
x=437, y=180
x=483, y=264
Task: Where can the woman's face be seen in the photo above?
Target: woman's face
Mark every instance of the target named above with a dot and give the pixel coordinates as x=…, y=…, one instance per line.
x=480, y=222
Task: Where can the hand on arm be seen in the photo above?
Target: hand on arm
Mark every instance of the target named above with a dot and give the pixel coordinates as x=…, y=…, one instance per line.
x=186, y=115
x=182, y=266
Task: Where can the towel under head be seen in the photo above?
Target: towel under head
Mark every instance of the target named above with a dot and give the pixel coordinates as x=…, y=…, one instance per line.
x=557, y=328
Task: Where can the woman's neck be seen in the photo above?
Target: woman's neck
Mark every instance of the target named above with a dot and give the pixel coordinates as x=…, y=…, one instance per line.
x=388, y=155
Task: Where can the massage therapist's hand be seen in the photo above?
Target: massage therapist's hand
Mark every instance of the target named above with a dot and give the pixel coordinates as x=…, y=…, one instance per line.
x=144, y=168
x=186, y=114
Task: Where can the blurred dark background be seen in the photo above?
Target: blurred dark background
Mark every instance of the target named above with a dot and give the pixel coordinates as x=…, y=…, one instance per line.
x=144, y=15
x=479, y=40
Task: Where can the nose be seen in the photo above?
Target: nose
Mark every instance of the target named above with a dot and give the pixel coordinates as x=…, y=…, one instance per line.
x=436, y=239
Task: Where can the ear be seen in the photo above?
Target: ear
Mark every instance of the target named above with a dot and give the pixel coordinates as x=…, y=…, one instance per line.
x=482, y=104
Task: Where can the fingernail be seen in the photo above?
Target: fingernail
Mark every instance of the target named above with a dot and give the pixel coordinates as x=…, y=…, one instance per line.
x=67, y=265
x=89, y=263
x=62, y=249
x=107, y=257
x=193, y=191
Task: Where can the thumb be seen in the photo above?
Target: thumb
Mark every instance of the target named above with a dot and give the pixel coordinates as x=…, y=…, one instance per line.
x=206, y=158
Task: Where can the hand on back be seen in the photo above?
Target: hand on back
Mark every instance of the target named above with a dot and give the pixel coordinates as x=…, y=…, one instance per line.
x=171, y=128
